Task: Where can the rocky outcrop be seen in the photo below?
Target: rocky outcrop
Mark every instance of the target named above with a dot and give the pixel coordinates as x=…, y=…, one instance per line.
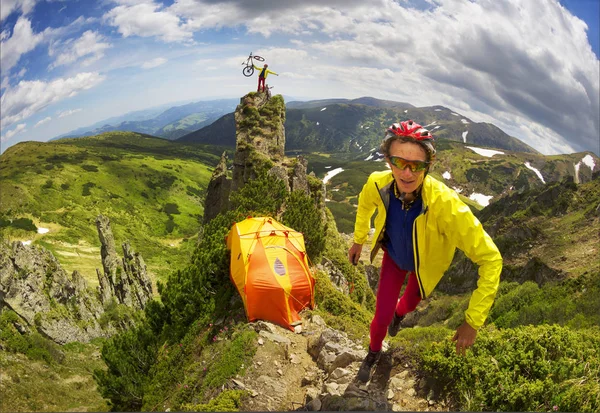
x=299, y=182
x=125, y=280
x=217, y=194
x=260, y=136
x=336, y=276
x=64, y=308
x=34, y=285
x=315, y=368
x=260, y=147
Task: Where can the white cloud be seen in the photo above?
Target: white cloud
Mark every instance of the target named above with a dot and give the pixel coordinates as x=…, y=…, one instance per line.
x=9, y=6
x=154, y=63
x=23, y=40
x=69, y=112
x=90, y=44
x=41, y=122
x=30, y=97
x=146, y=20
x=20, y=128
x=513, y=59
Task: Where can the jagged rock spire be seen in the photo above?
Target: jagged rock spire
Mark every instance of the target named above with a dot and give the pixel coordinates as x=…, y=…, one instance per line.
x=126, y=280
x=217, y=193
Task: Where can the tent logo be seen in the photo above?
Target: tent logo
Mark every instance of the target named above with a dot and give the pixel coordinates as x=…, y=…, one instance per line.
x=278, y=267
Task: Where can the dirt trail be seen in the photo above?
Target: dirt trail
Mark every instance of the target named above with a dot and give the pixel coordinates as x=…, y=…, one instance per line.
x=282, y=374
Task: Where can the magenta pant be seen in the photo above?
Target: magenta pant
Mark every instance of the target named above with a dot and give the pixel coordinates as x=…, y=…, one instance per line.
x=391, y=279
x=261, y=82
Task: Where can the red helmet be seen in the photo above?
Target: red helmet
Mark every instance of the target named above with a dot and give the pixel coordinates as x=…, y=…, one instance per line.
x=412, y=130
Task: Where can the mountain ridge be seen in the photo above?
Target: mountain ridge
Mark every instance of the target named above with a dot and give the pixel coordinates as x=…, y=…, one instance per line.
x=344, y=125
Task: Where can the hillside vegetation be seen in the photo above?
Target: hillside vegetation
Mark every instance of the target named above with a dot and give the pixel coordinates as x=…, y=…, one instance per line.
x=539, y=350
x=512, y=365
x=457, y=166
x=151, y=189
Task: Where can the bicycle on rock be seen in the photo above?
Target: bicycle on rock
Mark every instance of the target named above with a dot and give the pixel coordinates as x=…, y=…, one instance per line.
x=249, y=69
x=268, y=91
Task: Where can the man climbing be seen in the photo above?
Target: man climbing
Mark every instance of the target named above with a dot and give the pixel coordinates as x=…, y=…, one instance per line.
x=419, y=224
x=262, y=76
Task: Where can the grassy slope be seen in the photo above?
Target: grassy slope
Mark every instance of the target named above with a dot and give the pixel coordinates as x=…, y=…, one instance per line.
x=151, y=189
x=29, y=385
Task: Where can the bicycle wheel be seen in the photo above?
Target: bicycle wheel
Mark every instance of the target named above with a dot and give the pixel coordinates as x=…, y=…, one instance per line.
x=260, y=59
x=248, y=71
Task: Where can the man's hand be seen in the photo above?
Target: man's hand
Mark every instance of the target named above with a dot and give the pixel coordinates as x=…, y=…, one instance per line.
x=464, y=337
x=354, y=253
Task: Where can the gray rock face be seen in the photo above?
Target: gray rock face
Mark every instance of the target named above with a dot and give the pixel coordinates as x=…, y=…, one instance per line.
x=34, y=285
x=299, y=182
x=260, y=136
x=260, y=144
x=280, y=173
x=217, y=194
x=335, y=275
x=61, y=307
x=125, y=280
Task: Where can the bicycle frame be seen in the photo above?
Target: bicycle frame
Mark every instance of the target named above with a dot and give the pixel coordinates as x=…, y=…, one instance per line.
x=249, y=63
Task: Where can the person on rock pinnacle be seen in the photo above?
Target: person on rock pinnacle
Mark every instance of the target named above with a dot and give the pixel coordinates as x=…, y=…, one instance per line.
x=262, y=76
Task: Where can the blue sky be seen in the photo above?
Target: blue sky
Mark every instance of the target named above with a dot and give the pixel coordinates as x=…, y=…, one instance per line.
x=529, y=66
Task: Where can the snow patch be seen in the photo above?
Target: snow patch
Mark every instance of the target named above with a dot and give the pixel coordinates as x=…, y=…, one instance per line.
x=485, y=152
x=457, y=189
x=26, y=242
x=455, y=114
x=589, y=161
x=43, y=230
x=317, y=123
x=466, y=122
x=368, y=158
x=537, y=172
x=438, y=110
x=406, y=111
x=464, y=135
x=483, y=200
x=323, y=109
x=331, y=174
x=327, y=167
x=447, y=175
x=436, y=127
x=367, y=127
x=432, y=123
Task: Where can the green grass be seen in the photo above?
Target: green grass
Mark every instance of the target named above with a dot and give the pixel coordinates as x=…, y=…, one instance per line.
x=30, y=385
x=135, y=180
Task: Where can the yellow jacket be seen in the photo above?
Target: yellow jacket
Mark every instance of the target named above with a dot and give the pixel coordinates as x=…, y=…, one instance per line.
x=266, y=71
x=445, y=223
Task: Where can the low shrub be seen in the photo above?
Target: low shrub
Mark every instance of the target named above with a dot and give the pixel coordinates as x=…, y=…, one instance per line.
x=532, y=368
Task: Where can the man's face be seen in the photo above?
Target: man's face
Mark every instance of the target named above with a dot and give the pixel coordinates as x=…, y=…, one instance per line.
x=407, y=180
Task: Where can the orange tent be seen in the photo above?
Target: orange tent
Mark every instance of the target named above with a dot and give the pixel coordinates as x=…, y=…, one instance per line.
x=269, y=267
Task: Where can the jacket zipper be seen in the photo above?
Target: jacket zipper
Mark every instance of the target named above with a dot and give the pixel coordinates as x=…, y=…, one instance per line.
x=375, y=247
x=416, y=248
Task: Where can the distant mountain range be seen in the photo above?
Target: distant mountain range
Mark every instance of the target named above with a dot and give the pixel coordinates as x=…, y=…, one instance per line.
x=169, y=122
x=343, y=125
